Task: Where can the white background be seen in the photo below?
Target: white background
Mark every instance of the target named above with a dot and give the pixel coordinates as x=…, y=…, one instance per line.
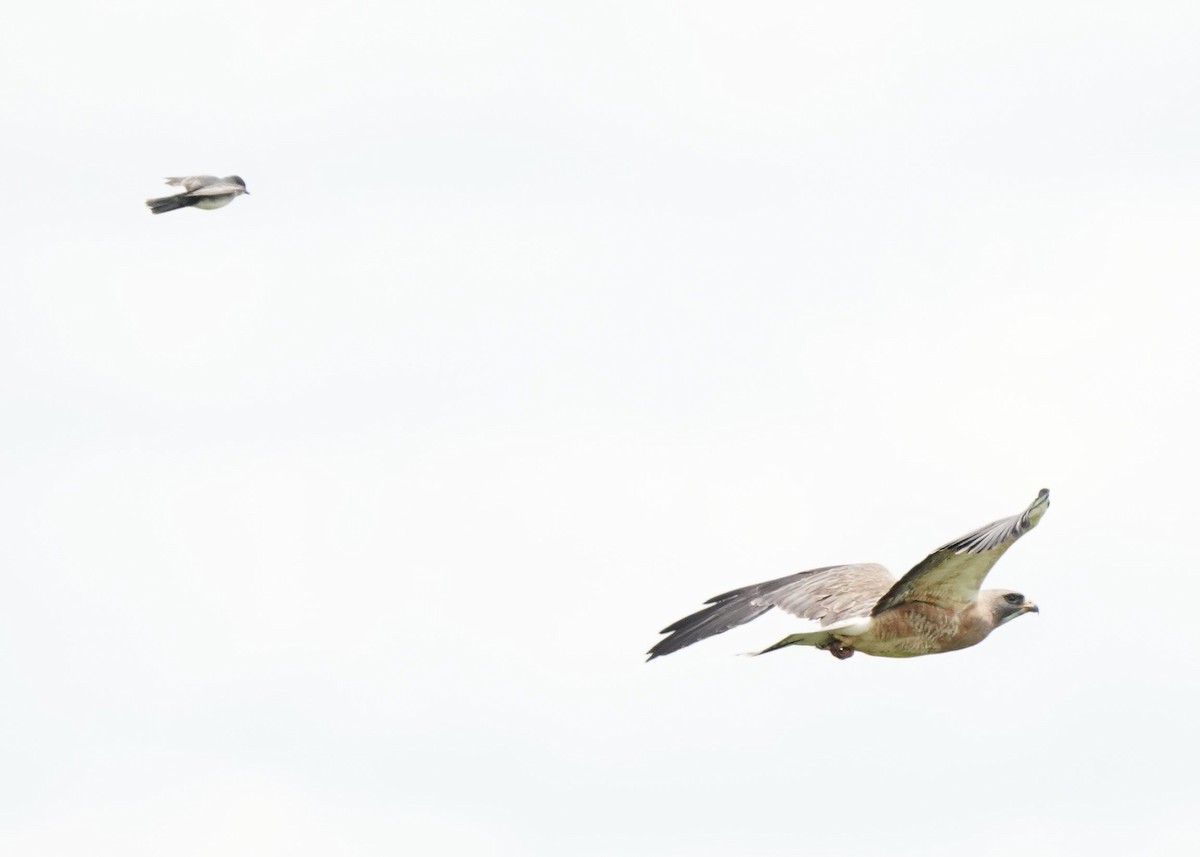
x=337, y=521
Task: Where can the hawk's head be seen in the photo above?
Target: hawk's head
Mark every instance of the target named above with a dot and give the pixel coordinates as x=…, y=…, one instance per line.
x=1004, y=604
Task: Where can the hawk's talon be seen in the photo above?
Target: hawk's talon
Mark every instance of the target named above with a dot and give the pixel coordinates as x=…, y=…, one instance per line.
x=838, y=650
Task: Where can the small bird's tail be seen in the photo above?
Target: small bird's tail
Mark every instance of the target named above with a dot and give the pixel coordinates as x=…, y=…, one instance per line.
x=169, y=203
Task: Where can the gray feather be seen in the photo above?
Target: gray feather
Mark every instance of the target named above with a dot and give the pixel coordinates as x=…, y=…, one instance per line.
x=825, y=595
x=192, y=183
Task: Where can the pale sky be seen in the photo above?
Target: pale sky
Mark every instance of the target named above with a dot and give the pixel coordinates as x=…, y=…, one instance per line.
x=338, y=520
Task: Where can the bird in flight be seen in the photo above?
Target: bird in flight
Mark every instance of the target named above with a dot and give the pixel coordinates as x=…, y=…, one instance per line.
x=207, y=192
x=937, y=607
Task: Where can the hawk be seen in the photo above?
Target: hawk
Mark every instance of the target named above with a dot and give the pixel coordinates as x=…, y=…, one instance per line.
x=937, y=607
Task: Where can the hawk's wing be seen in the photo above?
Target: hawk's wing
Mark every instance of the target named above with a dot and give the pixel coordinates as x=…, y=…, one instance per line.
x=191, y=184
x=951, y=576
x=828, y=596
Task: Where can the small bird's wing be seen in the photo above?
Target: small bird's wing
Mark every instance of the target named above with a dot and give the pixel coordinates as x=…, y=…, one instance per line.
x=827, y=596
x=191, y=184
x=950, y=577
x=218, y=187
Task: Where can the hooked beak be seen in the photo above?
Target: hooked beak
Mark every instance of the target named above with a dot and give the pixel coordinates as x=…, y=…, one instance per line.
x=1030, y=607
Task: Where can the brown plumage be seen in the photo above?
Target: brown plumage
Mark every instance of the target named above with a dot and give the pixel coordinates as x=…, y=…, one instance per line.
x=936, y=607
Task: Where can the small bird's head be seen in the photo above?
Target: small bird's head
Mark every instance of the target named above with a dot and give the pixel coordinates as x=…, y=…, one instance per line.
x=237, y=180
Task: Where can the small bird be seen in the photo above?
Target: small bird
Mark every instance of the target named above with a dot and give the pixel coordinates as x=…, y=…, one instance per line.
x=205, y=192
x=937, y=607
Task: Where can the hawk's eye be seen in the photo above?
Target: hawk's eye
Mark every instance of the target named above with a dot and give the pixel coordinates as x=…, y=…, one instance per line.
x=1014, y=598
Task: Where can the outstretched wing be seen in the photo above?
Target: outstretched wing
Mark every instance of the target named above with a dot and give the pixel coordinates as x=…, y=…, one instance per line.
x=191, y=184
x=218, y=187
x=950, y=577
x=827, y=596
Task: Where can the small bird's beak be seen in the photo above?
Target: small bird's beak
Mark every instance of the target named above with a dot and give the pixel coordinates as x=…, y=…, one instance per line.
x=1030, y=607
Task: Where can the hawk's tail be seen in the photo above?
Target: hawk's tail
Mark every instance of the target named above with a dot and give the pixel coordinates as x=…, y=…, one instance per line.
x=814, y=638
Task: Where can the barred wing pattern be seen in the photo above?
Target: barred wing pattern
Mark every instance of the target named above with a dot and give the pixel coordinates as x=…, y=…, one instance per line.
x=950, y=577
x=827, y=596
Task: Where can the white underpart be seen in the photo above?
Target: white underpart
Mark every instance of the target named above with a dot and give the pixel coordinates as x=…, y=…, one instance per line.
x=210, y=203
x=851, y=627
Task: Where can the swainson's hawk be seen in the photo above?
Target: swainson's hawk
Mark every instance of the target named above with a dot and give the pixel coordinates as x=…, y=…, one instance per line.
x=936, y=607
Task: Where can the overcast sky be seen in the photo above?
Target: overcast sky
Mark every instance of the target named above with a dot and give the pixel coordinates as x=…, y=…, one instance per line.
x=337, y=521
